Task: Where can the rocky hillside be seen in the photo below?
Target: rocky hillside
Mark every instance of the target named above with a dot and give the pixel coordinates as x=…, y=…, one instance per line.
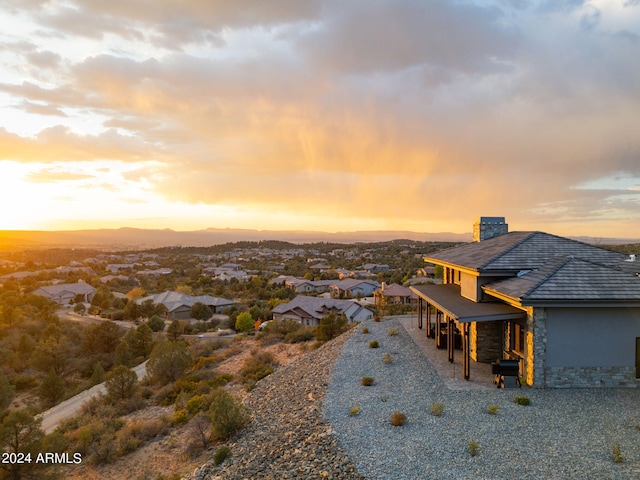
x=287, y=437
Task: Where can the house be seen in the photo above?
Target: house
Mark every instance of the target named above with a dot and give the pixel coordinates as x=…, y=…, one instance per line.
x=310, y=310
x=351, y=287
x=567, y=311
x=395, y=294
x=179, y=305
x=375, y=267
x=65, y=294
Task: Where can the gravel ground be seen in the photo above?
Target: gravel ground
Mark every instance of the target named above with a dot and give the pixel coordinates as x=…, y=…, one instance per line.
x=562, y=434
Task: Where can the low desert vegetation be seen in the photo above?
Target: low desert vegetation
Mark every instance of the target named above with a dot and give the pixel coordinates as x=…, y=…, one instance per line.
x=367, y=381
x=398, y=419
x=493, y=409
x=374, y=344
x=393, y=332
x=437, y=409
x=387, y=358
x=474, y=448
x=616, y=453
x=354, y=411
x=522, y=400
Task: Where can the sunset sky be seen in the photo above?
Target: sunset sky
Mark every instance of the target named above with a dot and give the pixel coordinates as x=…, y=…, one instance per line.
x=320, y=115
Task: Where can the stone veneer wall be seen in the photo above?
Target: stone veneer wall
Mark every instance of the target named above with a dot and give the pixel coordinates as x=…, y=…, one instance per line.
x=485, y=341
x=537, y=352
x=589, y=377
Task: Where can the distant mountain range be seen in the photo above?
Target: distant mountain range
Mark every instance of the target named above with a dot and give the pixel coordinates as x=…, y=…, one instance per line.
x=135, y=238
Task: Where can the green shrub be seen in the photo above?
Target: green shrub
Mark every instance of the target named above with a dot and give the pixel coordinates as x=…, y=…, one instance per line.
x=221, y=455
x=492, y=409
x=393, y=332
x=180, y=417
x=374, y=344
x=228, y=415
x=387, y=358
x=256, y=367
x=354, y=411
x=367, y=381
x=300, y=335
x=365, y=330
x=474, y=448
x=398, y=419
x=522, y=400
x=437, y=409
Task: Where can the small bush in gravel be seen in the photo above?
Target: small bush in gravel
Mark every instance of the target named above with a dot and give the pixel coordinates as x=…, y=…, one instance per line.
x=221, y=455
x=367, y=381
x=374, y=344
x=398, y=419
x=256, y=367
x=393, y=332
x=437, y=409
x=355, y=411
x=365, y=330
x=387, y=358
x=493, y=409
x=376, y=318
x=616, y=453
x=474, y=448
x=522, y=400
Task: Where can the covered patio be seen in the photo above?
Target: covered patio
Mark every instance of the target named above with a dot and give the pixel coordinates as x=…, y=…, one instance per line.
x=447, y=317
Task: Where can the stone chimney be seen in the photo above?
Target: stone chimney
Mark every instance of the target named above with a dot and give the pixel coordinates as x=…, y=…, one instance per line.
x=489, y=227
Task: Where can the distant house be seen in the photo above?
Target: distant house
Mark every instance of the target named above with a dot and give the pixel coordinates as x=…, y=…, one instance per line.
x=179, y=305
x=395, y=294
x=375, y=267
x=65, y=294
x=567, y=311
x=352, y=288
x=310, y=310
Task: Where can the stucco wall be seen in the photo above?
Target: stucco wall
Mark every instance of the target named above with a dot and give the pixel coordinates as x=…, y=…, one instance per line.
x=591, y=337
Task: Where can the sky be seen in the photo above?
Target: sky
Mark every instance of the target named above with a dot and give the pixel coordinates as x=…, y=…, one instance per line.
x=338, y=115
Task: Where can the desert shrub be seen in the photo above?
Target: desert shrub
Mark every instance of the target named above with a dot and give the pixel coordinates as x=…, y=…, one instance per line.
x=221, y=455
x=492, y=409
x=256, y=367
x=393, y=332
x=374, y=344
x=398, y=419
x=228, y=415
x=616, y=453
x=522, y=400
x=303, y=334
x=474, y=448
x=437, y=409
x=354, y=411
x=367, y=381
x=387, y=358
x=197, y=404
x=365, y=330
x=180, y=417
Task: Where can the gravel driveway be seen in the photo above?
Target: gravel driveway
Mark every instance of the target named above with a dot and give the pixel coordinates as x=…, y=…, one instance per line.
x=562, y=434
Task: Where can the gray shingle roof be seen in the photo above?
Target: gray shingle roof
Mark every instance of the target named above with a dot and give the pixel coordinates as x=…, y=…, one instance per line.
x=315, y=307
x=570, y=279
x=521, y=251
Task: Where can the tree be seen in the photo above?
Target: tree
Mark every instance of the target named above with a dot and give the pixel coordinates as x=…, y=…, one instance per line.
x=79, y=308
x=200, y=311
x=123, y=355
x=51, y=389
x=142, y=341
x=244, y=322
x=6, y=392
x=156, y=323
x=20, y=432
x=97, y=376
x=330, y=327
x=168, y=361
x=121, y=383
x=175, y=330
x=52, y=353
x=135, y=293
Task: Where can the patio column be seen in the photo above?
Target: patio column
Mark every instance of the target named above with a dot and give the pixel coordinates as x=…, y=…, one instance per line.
x=429, y=320
x=450, y=342
x=420, y=313
x=438, y=329
x=466, y=352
